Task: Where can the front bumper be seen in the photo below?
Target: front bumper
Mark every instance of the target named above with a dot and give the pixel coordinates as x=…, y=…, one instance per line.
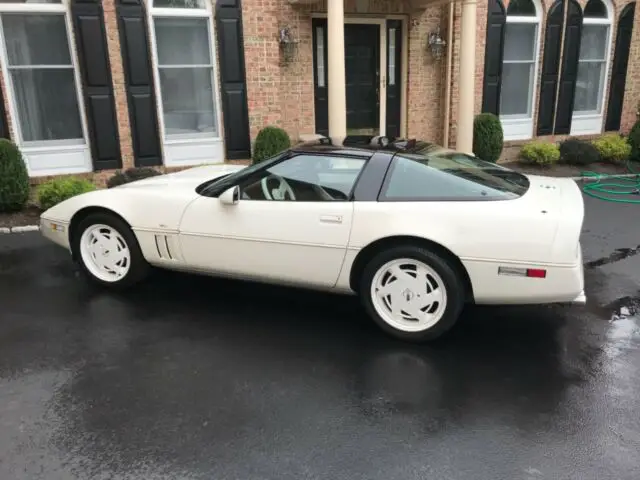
x=55, y=230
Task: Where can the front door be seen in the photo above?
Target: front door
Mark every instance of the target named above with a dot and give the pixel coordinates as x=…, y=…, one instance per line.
x=362, y=72
x=365, y=67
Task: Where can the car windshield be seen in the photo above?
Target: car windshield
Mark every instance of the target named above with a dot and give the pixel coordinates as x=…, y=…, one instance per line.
x=450, y=174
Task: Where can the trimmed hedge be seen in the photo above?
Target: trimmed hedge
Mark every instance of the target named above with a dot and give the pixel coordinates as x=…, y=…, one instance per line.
x=14, y=178
x=613, y=148
x=131, y=175
x=540, y=153
x=488, y=137
x=269, y=142
x=634, y=142
x=60, y=189
x=574, y=151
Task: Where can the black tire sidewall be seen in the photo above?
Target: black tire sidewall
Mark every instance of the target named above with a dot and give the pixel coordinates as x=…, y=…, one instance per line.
x=452, y=283
x=139, y=266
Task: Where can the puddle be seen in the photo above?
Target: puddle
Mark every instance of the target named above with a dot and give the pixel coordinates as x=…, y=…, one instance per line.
x=624, y=308
x=616, y=256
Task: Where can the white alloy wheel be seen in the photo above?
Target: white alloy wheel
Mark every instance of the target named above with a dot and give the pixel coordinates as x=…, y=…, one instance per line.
x=105, y=253
x=408, y=295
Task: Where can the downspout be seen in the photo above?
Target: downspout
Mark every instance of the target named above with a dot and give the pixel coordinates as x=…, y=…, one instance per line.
x=447, y=87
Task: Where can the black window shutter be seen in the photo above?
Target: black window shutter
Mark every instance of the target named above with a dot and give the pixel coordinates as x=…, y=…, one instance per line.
x=93, y=60
x=233, y=79
x=550, y=68
x=320, y=92
x=4, y=122
x=619, y=69
x=394, y=85
x=494, y=50
x=570, y=56
x=141, y=98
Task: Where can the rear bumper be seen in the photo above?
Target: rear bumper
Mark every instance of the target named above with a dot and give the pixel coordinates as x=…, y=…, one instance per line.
x=562, y=284
x=581, y=299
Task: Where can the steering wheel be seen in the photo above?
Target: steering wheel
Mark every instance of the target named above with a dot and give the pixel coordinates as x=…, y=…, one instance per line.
x=277, y=193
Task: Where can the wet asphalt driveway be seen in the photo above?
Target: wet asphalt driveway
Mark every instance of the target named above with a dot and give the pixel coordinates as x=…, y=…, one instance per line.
x=196, y=378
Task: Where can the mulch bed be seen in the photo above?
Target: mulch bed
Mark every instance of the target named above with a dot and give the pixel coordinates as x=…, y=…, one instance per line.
x=568, y=170
x=28, y=216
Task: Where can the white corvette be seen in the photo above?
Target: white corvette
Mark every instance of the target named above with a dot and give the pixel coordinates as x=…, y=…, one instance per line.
x=414, y=229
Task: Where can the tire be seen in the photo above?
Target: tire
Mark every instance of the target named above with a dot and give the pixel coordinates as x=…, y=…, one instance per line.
x=442, y=294
x=93, y=243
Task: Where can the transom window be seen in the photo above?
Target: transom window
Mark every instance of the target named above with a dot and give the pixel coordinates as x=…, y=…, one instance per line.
x=182, y=32
x=40, y=66
x=592, y=62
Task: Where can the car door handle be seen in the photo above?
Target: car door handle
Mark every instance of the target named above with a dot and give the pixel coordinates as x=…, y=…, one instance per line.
x=331, y=218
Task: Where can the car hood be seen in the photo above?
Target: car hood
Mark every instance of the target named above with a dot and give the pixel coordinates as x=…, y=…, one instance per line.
x=187, y=179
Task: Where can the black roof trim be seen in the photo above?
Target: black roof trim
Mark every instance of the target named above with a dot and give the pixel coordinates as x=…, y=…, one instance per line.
x=368, y=143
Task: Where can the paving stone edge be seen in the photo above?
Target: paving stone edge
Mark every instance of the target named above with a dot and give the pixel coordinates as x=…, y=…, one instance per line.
x=22, y=229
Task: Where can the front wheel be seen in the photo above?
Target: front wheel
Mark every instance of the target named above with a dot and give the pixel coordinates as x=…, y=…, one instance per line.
x=412, y=293
x=108, y=251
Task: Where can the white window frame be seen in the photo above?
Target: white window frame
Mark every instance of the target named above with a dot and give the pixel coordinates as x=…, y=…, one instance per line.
x=47, y=157
x=518, y=127
x=590, y=123
x=190, y=149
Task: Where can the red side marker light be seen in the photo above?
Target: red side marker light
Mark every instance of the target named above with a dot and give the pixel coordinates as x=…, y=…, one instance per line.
x=523, y=272
x=536, y=273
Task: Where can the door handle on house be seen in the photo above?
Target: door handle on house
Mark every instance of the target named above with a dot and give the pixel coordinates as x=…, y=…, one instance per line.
x=331, y=218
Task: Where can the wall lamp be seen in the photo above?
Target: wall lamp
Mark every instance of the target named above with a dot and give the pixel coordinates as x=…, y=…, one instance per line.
x=436, y=44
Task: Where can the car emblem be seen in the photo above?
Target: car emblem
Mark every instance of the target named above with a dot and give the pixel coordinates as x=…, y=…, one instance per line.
x=407, y=294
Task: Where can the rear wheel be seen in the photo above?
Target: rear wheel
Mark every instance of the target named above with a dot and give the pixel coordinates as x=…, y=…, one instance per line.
x=412, y=293
x=108, y=251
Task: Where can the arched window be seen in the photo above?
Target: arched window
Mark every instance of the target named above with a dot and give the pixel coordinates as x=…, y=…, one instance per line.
x=519, y=68
x=43, y=86
x=593, y=61
x=184, y=57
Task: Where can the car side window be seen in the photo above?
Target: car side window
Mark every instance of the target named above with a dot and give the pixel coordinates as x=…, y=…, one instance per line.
x=445, y=177
x=305, y=178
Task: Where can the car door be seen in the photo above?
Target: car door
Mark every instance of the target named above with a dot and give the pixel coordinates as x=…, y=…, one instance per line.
x=291, y=224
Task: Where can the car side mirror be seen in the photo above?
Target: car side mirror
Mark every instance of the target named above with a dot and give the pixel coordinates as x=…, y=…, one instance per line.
x=230, y=196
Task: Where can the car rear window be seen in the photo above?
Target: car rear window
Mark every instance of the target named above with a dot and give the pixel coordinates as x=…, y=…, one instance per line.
x=436, y=173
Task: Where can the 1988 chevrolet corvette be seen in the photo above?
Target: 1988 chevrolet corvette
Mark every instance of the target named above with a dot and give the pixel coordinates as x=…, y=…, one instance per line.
x=414, y=229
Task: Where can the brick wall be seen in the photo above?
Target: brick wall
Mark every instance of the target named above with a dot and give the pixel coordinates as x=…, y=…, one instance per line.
x=282, y=93
x=632, y=92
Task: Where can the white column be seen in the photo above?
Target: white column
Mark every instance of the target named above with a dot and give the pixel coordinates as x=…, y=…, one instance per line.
x=336, y=74
x=466, y=82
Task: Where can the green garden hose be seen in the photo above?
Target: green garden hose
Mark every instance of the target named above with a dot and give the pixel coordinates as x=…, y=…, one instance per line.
x=613, y=191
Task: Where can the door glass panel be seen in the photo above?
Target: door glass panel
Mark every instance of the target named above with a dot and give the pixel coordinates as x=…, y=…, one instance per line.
x=320, y=56
x=392, y=56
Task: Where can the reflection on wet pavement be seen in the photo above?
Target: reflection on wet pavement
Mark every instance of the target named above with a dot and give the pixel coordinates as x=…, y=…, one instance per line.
x=196, y=378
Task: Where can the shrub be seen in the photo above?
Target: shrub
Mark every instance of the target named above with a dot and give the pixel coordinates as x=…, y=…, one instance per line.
x=613, y=148
x=55, y=191
x=578, y=152
x=540, y=153
x=488, y=137
x=269, y=142
x=14, y=178
x=131, y=175
x=634, y=141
